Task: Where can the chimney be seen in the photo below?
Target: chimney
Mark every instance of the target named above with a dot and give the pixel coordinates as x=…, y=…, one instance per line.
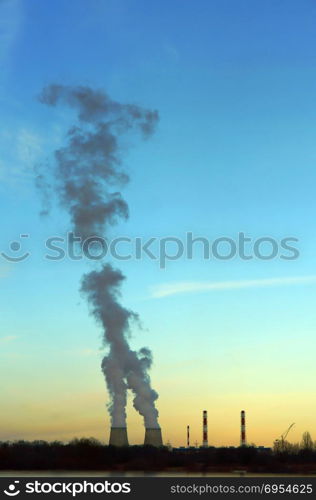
x=205, y=437
x=118, y=436
x=188, y=436
x=153, y=437
x=243, y=428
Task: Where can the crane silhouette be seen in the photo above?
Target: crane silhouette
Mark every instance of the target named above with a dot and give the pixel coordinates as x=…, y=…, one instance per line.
x=283, y=437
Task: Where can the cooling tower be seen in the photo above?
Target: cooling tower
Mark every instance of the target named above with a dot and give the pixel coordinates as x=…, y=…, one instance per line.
x=153, y=437
x=118, y=436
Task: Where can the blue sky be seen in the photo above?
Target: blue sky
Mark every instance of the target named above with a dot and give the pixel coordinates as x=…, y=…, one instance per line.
x=234, y=84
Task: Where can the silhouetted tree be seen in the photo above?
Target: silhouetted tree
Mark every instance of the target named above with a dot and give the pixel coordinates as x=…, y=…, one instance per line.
x=90, y=454
x=307, y=442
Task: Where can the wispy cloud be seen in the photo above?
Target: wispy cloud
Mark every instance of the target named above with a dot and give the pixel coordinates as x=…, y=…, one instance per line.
x=7, y=339
x=5, y=270
x=88, y=352
x=10, y=20
x=21, y=148
x=167, y=289
x=84, y=352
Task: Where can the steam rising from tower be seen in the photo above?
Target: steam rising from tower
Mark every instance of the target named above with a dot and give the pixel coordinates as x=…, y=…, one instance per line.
x=84, y=172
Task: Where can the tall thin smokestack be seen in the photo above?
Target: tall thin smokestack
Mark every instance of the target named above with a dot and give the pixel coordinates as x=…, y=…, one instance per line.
x=118, y=436
x=243, y=428
x=188, y=436
x=205, y=436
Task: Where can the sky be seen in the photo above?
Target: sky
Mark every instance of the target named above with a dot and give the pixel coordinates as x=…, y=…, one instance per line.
x=234, y=152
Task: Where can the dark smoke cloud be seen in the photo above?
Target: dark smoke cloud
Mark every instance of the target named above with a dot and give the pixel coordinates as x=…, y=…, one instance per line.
x=90, y=162
x=85, y=171
x=128, y=367
x=93, y=105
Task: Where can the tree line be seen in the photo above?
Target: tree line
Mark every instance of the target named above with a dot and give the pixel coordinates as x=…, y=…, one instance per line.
x=90, y=454
x=306, y=444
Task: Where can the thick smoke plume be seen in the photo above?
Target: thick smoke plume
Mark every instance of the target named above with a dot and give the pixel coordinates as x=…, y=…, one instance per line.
x=123, y=368
x=84, y=173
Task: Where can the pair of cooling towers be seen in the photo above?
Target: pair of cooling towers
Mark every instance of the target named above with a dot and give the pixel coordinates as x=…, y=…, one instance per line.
x=118, y=437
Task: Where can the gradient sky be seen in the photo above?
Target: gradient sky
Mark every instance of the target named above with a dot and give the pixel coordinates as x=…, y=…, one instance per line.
x=235, y=150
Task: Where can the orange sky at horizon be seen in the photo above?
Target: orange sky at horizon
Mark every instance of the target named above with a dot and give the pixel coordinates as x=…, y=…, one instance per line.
x=267, y=417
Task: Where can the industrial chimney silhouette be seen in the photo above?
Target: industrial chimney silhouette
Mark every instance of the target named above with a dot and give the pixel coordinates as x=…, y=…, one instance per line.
x=205, y=431
x=118, y=436
x=153, y=437
x=243, y=441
